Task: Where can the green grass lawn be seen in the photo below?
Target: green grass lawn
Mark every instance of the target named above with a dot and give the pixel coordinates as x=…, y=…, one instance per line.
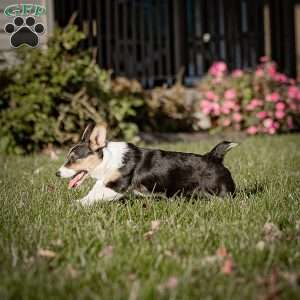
x=51, y=248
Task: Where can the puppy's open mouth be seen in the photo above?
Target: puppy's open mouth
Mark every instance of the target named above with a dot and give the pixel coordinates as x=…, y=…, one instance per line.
x=77, y=179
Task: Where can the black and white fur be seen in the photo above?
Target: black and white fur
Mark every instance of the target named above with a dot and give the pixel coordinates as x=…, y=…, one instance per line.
x=121, y=167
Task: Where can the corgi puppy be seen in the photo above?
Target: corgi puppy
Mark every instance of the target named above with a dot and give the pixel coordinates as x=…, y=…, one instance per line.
x=121, y=167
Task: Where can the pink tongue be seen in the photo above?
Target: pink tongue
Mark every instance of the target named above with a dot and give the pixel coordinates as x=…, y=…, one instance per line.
x=73, y=182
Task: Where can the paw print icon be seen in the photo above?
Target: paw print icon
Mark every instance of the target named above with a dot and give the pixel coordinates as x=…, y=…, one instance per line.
x=24, y=31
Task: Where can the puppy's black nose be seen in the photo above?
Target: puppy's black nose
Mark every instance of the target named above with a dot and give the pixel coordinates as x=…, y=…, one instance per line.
x=57, y=174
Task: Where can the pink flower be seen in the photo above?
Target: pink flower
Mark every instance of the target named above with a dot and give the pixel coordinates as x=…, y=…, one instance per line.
x=273, y=97
x=268, y=123
x=272, y=70
x=225, y=110
x=264, y=59
x=205, y=105
x=262, y=114
x=280, y=77
x=206, y=111
x=273, y=127
x=279, y=114
x=272, y=130
x=292, y=91
x=221, y=66
x=259, y=72
x=280, y=106
x=210, y=95
x=218, y=69
x=209, y=107
x=237, y=73
x=229, y=104
x=226, y=122
x=230, y=94
x=237, y=117
x=216, y=109
x=252, y=130
x=250, y=107
x=237, y=107
x=254, y=103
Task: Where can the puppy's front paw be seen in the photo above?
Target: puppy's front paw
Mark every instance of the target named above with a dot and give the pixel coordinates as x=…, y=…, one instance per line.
x=84, y=201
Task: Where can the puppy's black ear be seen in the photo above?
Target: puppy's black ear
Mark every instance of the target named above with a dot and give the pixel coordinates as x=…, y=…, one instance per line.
x=85, y=138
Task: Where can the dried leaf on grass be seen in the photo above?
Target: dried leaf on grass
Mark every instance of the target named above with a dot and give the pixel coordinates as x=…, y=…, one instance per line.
x=155, y=224
x=228, y=266
x=171, y=254
x=222, y=252
x=106, y=251
x=170, y=284
x=131, y=276
x=46, y=253
x=291, y=277
x=37, y=171
x=271, y=285
x=57, y=243
x=271, y=232
x=50, y=188
x=222, y=258
x=148, y=235
x=72, y=272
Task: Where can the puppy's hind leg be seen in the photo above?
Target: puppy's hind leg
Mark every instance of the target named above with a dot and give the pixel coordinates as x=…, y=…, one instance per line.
x=99, y=192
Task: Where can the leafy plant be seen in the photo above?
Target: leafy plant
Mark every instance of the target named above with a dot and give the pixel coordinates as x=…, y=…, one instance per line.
x=54, y=91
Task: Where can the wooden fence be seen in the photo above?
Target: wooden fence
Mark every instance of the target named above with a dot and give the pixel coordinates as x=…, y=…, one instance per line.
x=150, y=40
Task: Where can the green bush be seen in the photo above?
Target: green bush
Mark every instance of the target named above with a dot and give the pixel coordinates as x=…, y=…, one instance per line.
x=53, y=92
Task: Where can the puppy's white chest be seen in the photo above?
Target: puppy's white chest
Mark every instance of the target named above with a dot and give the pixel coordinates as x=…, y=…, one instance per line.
x=113, y=156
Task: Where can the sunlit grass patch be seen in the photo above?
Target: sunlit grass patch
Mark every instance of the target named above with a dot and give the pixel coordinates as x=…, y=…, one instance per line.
x=50, y=247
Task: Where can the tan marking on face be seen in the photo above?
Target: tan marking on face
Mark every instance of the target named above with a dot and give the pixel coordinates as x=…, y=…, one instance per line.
x=112, y=176
x=89, y=163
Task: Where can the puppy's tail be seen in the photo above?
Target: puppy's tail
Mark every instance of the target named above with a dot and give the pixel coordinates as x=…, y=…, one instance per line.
x=220, y=150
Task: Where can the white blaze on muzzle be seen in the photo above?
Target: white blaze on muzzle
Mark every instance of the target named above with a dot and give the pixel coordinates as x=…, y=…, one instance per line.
x=65, y=172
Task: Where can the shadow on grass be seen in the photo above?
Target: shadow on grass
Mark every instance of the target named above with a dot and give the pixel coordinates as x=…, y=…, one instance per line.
x=253, y=190
x=131, y=199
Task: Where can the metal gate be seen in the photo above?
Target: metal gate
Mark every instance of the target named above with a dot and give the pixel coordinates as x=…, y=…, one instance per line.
x=133, y=37
x=230, y=30
x=150, y=40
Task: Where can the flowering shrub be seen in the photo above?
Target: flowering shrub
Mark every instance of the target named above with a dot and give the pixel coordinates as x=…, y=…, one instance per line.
x=260, y=101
